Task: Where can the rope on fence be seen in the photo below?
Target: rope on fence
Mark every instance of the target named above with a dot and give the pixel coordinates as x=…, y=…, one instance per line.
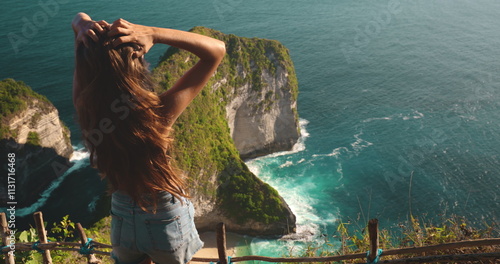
x=376, y=259
x=35, y=247
x=87, y=248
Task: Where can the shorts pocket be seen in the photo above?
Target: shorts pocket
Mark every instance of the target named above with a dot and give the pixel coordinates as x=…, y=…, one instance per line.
x=165, y=234
x=116, y=229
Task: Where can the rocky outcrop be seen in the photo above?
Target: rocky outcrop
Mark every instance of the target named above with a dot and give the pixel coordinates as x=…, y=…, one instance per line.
x=247, y=109
x=208, y=215
x=32, y=131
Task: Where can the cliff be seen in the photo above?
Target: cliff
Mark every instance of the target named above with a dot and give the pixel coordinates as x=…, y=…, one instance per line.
x=31, y=129
x=262, y=96
x=247, y=109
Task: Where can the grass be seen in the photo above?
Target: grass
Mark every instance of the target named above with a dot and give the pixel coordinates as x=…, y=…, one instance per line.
x=413, y=233
x=64, y=231
x=15, y=96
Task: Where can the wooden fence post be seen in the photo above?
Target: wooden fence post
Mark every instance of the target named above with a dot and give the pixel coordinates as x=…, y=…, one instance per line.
x=9, y=257
x=373, y=234
x=42, y=236
x=221, y=242
x=91, y=258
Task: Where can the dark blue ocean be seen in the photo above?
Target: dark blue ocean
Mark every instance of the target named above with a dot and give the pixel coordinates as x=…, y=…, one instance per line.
x=399, y=101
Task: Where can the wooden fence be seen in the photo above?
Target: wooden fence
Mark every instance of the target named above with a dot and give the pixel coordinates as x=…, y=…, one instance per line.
x=89, y=248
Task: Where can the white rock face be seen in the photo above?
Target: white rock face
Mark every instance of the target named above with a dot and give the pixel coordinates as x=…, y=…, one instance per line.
x=46, y=124
x=263, y=121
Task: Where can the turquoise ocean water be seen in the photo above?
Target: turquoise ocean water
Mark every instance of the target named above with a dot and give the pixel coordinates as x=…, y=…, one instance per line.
x=399, y=102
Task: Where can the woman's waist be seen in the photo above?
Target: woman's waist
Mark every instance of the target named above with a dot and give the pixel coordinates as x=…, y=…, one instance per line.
x=165, y=201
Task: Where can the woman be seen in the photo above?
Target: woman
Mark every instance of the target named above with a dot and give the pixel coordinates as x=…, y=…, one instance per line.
x=126, y=126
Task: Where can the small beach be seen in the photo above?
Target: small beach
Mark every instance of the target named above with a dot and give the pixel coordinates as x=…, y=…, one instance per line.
x=235, y=245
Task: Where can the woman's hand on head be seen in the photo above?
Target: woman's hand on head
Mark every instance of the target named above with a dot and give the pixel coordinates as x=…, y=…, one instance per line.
x=85, y=27
x=126, y=32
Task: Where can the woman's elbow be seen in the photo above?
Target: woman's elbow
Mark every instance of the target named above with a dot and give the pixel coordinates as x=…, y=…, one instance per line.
x=213, y=51
x=219, y=50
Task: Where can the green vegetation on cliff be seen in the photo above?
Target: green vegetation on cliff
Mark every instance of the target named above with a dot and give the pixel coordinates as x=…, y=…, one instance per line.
x=15, y=96
x=204, y=147
x=33, y=138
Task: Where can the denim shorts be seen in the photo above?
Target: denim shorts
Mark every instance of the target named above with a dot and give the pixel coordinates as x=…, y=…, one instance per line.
x=169, y=236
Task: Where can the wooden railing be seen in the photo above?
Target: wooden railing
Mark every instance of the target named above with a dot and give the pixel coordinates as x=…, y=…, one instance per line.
x=90, y=248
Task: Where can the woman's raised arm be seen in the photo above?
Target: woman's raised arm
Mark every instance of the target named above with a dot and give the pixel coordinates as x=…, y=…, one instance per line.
x=210, y=51
x=84, y=27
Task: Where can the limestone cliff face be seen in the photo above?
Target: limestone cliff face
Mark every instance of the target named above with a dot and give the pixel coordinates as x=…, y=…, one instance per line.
x=264, y=120
x=32, y=131
x=43, y=119
x=247, y=109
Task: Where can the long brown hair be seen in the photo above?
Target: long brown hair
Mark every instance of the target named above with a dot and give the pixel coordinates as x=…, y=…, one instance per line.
x=121, y=121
